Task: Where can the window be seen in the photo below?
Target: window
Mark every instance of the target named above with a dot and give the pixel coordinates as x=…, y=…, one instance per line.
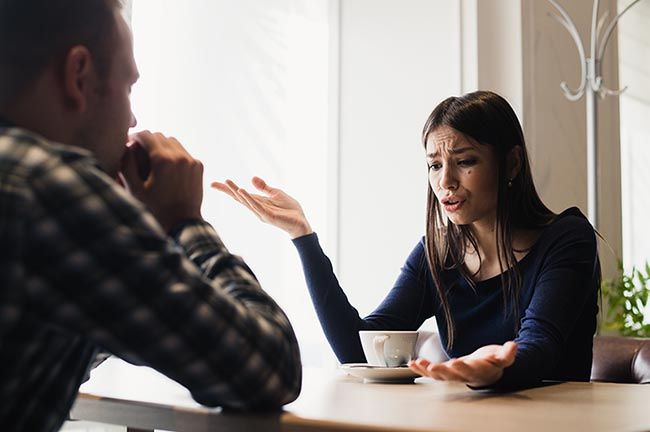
x=251, y=87
x=634, y=72
x=244, y=86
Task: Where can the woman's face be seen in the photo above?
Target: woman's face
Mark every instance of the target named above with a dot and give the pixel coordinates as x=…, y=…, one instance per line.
x=463, y=176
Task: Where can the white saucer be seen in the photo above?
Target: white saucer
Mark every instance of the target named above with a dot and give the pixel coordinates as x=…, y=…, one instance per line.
x=378, y=374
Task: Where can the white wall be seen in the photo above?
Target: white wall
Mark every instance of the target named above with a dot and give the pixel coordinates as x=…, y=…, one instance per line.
x=499, y=55
x=398, y=61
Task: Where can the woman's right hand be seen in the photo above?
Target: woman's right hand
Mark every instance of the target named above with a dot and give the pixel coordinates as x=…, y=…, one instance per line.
x=275, y=208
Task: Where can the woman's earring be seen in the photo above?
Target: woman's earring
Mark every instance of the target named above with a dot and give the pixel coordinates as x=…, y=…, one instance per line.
x=509, y=182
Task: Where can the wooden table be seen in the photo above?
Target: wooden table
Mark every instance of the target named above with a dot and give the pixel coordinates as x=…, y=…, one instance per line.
x=142, y=399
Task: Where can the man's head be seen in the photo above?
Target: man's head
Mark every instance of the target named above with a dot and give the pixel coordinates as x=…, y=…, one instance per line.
x=66, y=69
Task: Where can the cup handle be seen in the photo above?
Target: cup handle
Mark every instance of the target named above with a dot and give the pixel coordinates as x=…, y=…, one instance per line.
x=378, y=345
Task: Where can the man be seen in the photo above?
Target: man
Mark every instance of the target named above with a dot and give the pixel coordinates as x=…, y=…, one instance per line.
x=85, y=265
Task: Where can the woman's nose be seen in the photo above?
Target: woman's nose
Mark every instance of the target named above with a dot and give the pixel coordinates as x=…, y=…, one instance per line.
x=448, y=179
x=134, y=121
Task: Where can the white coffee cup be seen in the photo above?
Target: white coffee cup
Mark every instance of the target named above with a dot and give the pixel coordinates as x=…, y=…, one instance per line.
x=389, y=348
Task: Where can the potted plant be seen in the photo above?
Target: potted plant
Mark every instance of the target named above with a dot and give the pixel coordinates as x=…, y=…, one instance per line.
x=624, y=300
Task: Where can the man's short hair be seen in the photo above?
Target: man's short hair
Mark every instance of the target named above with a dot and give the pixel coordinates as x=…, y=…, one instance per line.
x=34, y=33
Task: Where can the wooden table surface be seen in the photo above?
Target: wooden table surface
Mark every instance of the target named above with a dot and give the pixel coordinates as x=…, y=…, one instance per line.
x=141, y=398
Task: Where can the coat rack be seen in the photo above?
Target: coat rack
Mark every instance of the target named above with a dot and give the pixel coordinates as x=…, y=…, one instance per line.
x=591, y=84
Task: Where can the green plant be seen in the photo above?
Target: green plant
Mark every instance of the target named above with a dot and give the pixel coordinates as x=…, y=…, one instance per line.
x=624, y=300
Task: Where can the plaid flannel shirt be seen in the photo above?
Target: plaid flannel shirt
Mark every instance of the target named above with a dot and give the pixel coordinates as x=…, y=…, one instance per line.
x=84, y=266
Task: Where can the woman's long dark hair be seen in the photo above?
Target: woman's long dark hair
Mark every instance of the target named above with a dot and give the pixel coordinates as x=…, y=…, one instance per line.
x=490, y=120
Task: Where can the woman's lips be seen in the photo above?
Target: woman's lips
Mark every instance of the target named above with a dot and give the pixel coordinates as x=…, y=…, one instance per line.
x=452, y=205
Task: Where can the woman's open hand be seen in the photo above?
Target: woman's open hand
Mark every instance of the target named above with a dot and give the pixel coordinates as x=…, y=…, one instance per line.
x=275, y=207
x=480, y=368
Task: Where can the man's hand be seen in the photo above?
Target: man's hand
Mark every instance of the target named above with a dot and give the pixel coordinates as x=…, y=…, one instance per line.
x=169, y=181
x=480, y=368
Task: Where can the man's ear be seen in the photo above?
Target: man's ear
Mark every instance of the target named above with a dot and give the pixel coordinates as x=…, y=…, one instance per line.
x=514, y=162
x=79, y=77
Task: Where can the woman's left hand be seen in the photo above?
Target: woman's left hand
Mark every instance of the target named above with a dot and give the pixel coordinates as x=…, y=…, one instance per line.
x=480, y=368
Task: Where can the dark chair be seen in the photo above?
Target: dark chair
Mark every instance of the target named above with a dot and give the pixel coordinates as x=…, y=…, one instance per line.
x=621, y=360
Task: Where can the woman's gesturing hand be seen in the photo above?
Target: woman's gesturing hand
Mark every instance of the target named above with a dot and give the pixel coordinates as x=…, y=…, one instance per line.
x=480, y=368
x=275, y=207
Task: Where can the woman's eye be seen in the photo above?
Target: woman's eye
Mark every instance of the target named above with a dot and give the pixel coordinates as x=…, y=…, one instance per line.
x=435, y=166
x=467, y=162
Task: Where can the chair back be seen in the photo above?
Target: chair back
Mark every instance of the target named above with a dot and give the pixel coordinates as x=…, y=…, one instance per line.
x=621, y=360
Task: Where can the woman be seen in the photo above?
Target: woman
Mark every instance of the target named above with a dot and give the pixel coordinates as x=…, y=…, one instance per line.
x=513, y=286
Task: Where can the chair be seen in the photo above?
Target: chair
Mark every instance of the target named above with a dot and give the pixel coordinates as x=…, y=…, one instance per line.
x=621, y=360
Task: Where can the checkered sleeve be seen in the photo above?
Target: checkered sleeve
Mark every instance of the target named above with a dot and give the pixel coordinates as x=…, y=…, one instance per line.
x=103, y=268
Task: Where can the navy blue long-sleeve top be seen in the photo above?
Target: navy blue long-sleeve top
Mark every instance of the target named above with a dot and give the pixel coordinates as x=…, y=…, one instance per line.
x=558, y=305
